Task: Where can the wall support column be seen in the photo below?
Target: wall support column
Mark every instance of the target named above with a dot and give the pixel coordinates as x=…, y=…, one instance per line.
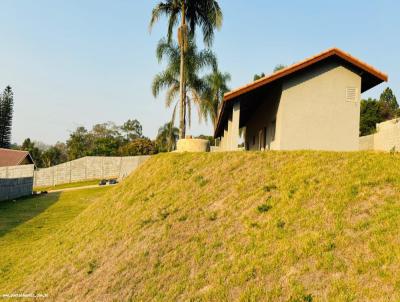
x=226, y=146
x=234, y=130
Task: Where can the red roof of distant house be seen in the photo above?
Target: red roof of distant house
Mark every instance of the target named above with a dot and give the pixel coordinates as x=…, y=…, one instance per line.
x=10, y=157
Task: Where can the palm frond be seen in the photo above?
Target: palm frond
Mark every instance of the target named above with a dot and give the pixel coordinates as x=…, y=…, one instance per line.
x=172, y=94
x=163, y=80
x=170, y=9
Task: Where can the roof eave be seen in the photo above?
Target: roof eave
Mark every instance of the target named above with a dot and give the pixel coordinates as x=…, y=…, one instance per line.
x=382, y=77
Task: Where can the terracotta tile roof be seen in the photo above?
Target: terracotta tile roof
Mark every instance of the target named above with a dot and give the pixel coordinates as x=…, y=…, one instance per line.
x=307, y=62
x=375, y=73
x=10, y=157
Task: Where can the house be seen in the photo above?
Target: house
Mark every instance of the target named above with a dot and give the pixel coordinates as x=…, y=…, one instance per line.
x=314, y=104
x=10, y=157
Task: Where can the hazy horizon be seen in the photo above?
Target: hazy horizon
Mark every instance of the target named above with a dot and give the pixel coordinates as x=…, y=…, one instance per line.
x=81, y=63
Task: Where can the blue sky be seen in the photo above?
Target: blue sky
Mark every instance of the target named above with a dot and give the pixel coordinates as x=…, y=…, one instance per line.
x=74, y=63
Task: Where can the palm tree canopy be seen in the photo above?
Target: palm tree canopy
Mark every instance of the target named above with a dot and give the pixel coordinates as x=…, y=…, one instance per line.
x=195, y=62
x=213, y=95
x=206, y=14
x=167, y=137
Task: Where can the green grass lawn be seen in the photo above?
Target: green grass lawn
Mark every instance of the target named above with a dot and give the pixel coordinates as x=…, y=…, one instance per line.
x=226, y=226
x=28, y=223
x=67, y=186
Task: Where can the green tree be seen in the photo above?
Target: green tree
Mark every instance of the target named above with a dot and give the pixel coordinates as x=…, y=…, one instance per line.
x=105, y=139
x=261, y=75
x=388, y=106
x=139, y=146
x=167, y=137
x=258, y=76
x=195, y=62
x=213, y=96
x=6, y=115
x=132, y=129
x=79, y=143
x=205, y=14
x=369, y=116
x=55, y=155
x=35, y=152
x=279, y=67
x=373, y=112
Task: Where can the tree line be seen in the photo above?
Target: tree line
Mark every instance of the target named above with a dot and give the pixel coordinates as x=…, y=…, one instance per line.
x=105, y=139
x=375, y=111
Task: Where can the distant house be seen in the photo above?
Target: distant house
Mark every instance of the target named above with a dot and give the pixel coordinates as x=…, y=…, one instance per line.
x=314, y=104
x=10, y=157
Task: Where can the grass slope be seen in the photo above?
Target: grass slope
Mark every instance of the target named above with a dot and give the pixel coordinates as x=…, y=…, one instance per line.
x=273, y=226
x=29, y=223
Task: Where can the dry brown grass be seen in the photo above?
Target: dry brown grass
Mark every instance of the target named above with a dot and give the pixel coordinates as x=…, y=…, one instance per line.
x=186, y=227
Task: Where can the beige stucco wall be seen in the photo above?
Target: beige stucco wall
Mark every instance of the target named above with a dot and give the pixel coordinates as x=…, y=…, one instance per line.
x=386, y=138
x=367, y=142
x=314, y=114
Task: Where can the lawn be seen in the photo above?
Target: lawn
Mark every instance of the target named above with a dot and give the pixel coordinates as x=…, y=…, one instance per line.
x=27, y=223
x=226, y=226
x=67, y=186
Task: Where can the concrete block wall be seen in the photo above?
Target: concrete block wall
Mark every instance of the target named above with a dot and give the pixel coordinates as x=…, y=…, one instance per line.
x=386, y=138
x=367, y=142
x=16, y=181
x=87, y=168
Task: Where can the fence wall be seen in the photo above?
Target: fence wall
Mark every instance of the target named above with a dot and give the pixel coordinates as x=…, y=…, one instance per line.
x=87, y=168
x=386, y=138
x=16, y=181
x=367, y=142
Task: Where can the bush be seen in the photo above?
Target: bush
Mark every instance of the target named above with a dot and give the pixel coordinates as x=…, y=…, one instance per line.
x=264, y=208
x=139, y=146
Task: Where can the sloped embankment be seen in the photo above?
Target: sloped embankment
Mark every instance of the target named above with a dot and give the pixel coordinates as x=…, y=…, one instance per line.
x=297, y=226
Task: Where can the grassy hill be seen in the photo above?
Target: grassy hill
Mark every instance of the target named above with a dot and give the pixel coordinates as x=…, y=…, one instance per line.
x=274, y=226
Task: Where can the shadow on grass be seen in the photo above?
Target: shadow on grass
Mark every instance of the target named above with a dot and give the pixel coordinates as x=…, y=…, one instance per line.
x=14, y=213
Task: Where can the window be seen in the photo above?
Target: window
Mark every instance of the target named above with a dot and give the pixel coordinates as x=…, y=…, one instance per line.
x=254, y=139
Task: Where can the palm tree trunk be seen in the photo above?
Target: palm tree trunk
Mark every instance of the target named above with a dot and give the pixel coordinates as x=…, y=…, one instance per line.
x=182, y=124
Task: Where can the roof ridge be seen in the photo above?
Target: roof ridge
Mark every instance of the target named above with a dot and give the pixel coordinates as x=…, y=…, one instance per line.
x=327, y=52
x=297, y=67
x=14, y=150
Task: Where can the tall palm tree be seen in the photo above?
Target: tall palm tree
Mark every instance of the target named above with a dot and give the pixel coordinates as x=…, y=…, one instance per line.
x=195, y=62
x=213, y=95
x=205, y=14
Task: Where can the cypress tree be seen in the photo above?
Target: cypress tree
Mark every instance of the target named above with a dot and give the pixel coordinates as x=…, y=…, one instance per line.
x=6, y=115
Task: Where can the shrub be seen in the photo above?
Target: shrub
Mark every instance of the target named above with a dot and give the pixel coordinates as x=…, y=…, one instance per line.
x=269, y=188
x=139, y=146
x=330, y=247
x=92, y=265
x=280, y=224
x=213, y=216
x=201, y=180
x=264, y=208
